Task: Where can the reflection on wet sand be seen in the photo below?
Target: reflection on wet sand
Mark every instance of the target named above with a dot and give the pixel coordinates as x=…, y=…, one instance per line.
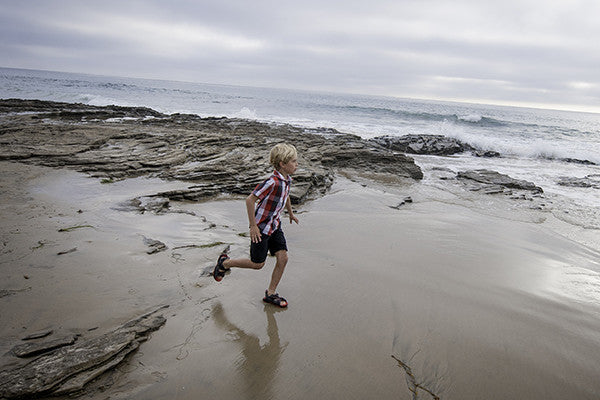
x=258, y=365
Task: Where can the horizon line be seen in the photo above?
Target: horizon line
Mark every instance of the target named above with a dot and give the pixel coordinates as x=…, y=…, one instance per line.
x=500, y=103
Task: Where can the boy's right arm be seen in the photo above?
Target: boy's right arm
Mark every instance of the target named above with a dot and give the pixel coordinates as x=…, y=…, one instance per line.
x=254, y=231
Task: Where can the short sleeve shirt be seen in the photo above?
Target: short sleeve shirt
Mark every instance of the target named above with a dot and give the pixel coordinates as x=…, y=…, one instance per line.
x=272, y=194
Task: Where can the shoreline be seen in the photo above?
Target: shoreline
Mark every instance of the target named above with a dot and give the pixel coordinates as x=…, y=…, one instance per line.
x=457, y=295
x=403, y=278
x=227, y=155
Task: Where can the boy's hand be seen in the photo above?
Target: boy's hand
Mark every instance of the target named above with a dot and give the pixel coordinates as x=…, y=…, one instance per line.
x=293, y=218
x=255, y=234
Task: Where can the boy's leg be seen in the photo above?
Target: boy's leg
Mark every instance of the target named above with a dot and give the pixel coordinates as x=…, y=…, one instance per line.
x=282, y=258
x=278, y=248
x=224, y=264
x=258, y=255
x=242, y=263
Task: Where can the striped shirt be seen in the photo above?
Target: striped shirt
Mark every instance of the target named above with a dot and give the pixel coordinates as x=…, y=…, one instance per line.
x=272, y=194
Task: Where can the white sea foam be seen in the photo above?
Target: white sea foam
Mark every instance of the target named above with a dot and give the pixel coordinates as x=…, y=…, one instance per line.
x=246, y=113
x=99, y=100
x=523, y=146
x=470, y=118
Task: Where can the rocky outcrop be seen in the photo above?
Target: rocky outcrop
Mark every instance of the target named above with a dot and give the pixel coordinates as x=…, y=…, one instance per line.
x=444, y=146
x=73, y=111
x=154, y=246
x=589, y=181
x=33, y=348
x=486, y=153
x=578, y=161
x=69, y=368
x=424, y=144
x=437, y=145
x=216, y=155
x=494, y=182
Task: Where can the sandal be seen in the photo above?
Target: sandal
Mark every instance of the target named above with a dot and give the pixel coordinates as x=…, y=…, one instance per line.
x=220, y=270
x=275, y=299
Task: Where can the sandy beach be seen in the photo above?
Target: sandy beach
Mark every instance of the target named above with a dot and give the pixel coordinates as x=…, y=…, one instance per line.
x=444, y=297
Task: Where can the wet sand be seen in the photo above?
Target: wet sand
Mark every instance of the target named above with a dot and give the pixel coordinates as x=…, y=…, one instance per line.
x=438, y=297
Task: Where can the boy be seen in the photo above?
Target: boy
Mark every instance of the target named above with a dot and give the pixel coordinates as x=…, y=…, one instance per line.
x=265, y=224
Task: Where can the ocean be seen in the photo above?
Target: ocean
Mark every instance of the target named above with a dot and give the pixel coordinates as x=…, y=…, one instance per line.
x=534, y=143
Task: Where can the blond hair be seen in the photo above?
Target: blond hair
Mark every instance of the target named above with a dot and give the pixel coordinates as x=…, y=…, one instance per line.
x=282, y=153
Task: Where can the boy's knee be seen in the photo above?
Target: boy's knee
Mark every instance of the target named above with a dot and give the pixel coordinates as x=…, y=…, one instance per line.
x=258, y=265
x=282, y=256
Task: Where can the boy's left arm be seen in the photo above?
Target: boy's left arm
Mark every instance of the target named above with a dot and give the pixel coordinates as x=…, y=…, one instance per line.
x=288, y=207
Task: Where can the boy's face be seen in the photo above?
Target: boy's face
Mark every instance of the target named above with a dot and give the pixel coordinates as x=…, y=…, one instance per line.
x=289, y=167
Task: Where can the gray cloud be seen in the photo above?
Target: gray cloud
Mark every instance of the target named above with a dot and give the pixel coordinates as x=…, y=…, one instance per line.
x=521, y=52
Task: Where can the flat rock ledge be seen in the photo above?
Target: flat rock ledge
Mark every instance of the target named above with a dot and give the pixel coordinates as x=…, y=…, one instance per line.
x=589, y=181
x=492, y=182
x=216, y=155
x=68, y=369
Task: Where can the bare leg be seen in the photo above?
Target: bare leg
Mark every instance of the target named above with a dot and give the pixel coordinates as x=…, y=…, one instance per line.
x=242, y=263
x=282, y=259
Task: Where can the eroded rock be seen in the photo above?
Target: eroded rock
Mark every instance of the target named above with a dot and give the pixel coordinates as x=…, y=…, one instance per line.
x=71, y=367
x=217, y=155
x=495, y=182
x=154, y=246
x=486, y=153
x=578, y=161
x=38, y=335
x=424, y=144
x=589, y=181
x=33, y=348
x=407, y=199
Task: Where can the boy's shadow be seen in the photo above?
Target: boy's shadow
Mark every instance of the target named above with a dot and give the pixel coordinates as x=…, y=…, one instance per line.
x=257, y=364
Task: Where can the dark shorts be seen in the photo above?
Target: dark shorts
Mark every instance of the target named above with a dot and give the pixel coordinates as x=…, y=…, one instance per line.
x=272, y=243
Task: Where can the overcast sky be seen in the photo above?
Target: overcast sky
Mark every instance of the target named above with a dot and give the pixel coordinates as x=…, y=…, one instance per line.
x=520, y=52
